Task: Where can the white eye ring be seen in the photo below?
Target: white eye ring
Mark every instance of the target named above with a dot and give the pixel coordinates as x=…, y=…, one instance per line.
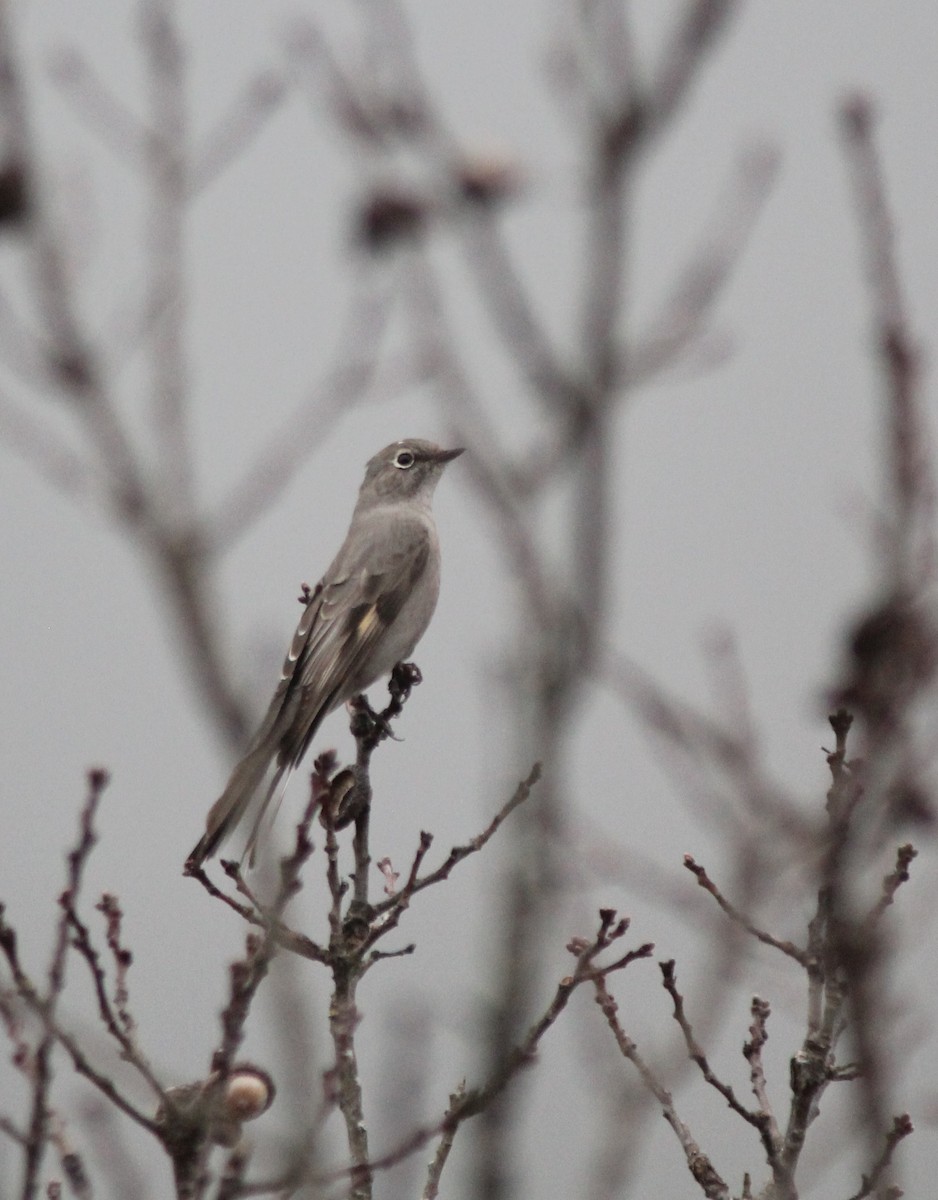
x=404, y=459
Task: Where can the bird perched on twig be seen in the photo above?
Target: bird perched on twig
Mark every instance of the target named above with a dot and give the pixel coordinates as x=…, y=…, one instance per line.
x=365, y=615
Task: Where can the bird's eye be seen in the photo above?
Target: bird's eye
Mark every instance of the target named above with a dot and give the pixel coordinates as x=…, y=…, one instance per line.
x=404, y=459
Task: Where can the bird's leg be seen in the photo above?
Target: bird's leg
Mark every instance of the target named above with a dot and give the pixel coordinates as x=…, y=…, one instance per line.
x=370, y=727
x=404, y=678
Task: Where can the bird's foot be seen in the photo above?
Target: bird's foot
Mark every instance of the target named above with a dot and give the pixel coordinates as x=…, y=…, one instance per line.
x=368, y=724
x=404, y=678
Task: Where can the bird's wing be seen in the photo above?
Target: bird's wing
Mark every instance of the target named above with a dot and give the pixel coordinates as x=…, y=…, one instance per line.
x=357, y=601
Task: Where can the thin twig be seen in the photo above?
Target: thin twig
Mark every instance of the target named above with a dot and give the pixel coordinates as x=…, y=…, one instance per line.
x=457, y=854
x=440, y=1158
x=683, y=318
x=15, y=1135
x=696, y=1053
x=701, y=1167
x=41, y=1115
x=168, y=171
x=752, y=1051
x=114, y=1016
x=786, y=947
x=910, y=471
x=245, y=119
x=901, y=1128
x=48, y=454
x=102, y=111
x=44, y=1005
x=892, y=882
x=71, y=1162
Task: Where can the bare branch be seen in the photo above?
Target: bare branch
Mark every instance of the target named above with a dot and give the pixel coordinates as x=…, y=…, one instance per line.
x=752, y=1051
x=472, y=1102
x=684, y=316
x=699, y=26
x=71, y=1162
x=397, y=903
x=893, y=881
x=115, y=1016
x=911, y=545
x=710, y=1181
x=246, y=118
x=15, y=1135
x=901, y=1128
x=168, y=172
x=694, y=1050
x=450, y=1126
x=40, y=1119
x=786, y=947
x=45, y=1005
x=48, y=454
x=709, y=742
x=103, y=112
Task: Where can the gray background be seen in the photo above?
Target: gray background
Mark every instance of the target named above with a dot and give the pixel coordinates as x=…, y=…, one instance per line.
x=745, y=497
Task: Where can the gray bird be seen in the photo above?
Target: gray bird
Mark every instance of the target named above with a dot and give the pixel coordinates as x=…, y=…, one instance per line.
x=365, y=615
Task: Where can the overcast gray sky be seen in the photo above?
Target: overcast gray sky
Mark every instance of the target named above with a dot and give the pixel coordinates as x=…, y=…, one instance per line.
x=747, y=483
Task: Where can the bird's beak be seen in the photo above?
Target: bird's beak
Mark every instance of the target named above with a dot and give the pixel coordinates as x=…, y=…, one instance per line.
x=445, y=456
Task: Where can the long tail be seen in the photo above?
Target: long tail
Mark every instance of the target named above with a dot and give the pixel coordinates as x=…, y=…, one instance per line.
x=272, y=800
x=231, y=805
